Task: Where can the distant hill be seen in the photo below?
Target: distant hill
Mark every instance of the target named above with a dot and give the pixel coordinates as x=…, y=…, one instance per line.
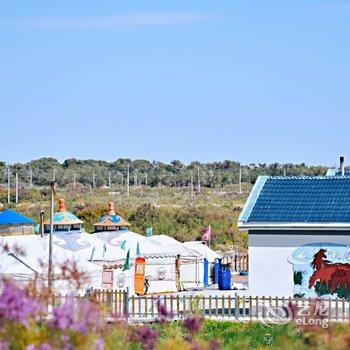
x=98, y=172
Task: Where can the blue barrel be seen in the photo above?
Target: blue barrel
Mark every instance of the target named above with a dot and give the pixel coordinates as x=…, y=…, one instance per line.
x=206, y=273
x=224, y=279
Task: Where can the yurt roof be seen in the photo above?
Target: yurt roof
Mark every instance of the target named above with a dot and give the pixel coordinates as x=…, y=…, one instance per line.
x=111, y=219
x=35, y=255
x=11, y=217
x=174, y=245
x=63, y=217
x=203, y=249
x=125, y=240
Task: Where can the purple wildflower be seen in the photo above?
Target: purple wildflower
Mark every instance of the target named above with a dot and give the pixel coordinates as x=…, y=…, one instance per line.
x=99, y=344
x=162, y=310
x=146, y=336
x=214, y=344
x=63, y=316
x=193, y=324
x=66, y=345
x=195, y=346
x=4, y=345
x=163, y=313
x=81, y=316
x=45, y=346
x=16, y=305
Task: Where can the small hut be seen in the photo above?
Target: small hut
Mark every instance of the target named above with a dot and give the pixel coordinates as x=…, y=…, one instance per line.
x=15, y=224
x=63, y=221
x=111, y=221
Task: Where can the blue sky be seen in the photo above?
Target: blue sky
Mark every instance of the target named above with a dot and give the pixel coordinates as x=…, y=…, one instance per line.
x=253, y=81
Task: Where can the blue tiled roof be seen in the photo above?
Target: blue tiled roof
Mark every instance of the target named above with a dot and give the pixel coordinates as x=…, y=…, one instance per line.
x=11, y=217
x=318, y=199
x=112, y=218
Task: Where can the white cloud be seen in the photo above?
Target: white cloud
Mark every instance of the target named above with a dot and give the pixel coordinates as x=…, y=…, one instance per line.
x=122, y=20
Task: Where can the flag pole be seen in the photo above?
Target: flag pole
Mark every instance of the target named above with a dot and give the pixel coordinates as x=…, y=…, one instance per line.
x=49, y=281
x=210, y=235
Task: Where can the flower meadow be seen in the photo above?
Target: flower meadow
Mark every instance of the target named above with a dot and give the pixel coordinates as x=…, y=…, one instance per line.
x=28, y=322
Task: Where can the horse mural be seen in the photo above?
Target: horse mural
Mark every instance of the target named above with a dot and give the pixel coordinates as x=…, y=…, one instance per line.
x=331, y=276
x=321, y=269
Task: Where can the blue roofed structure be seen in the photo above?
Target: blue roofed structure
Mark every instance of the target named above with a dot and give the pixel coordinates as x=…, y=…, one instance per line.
x=298, y=202
x=13, y=223
x=111, y=221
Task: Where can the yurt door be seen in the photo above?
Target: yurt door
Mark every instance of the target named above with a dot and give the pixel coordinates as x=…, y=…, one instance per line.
x=107, y=279
x=139, y=279
x=177, y=272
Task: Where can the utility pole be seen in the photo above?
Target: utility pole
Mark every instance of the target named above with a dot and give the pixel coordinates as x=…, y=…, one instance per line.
x=8, y=184
x=73, y=178
x=199, y=181
x=16, y=187
x=135, y=178
x=146, y=179
x=192, y=194
x=93, y=179
x=127, y=181
x=30, y=177
x=42, y=223
x=109, y=179
x=49, y=280
x=240, y=180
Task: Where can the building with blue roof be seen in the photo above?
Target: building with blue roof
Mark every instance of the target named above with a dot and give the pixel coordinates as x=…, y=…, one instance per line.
x=293, y=222
x=64, y=221
x=111, y=221
x=13, y=223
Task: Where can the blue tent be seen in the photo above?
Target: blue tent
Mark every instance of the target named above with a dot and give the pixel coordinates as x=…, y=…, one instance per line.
x=11, y=217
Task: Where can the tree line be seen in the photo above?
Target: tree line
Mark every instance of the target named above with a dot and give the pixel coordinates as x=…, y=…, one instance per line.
x=99, y=173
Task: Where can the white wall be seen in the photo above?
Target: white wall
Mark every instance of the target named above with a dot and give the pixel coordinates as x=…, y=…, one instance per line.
x=270, y=272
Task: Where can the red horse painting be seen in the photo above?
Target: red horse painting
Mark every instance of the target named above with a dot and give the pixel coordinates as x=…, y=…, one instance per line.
x=332, y=275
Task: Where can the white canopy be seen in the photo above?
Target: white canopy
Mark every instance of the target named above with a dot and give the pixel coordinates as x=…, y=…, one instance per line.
x=201, y=248
x=119, y=242
x=176, y=247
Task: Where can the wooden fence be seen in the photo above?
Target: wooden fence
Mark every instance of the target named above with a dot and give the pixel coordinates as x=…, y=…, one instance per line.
x=239, y=262
x=117, y=304
x=238, y=308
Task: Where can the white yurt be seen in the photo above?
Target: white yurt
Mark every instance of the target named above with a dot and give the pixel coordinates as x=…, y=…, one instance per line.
x=191, y=264
x=202, y=248
x=119, y=243
x=26, y=259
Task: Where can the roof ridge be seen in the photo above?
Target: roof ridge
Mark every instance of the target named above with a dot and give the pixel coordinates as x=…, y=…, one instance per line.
x=309, y=177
